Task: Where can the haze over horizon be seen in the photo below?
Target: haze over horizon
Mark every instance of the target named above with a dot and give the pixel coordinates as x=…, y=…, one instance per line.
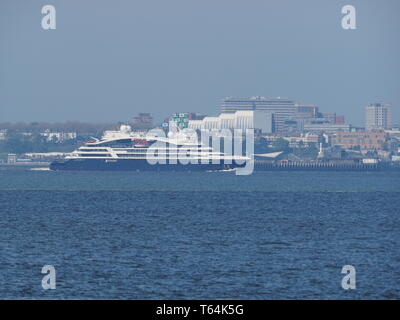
x=109, y=60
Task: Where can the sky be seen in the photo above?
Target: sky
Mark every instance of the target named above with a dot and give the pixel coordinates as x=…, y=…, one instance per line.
x=108, y=60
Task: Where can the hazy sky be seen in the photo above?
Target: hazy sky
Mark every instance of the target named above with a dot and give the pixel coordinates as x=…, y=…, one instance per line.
x=110, y=59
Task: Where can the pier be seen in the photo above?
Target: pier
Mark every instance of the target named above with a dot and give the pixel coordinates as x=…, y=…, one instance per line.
x=268, y=165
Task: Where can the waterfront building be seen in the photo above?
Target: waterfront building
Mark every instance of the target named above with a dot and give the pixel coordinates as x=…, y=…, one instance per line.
x=282, y=109
x=306, y=111
x=179, y=120
x=378, y=116
x=328, y=117
x=196, y=116
x=339, y=119
x=325, y=117
x=326, y=127
x=373, y=140
x=58, y=136
x=258, y=120
x=304, y=140
x=45, y=156
x=332, y=118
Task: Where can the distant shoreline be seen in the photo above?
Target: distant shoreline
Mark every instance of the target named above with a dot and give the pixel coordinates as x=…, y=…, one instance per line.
x=26, y=164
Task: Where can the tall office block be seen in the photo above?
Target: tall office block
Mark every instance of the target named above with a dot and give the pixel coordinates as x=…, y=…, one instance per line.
x=282, y=109
x=378, y=116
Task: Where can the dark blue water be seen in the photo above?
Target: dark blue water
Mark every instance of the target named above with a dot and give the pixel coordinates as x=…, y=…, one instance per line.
x=271, y=235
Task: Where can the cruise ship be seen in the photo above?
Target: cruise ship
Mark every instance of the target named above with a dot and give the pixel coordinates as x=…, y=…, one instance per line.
x=125, y=150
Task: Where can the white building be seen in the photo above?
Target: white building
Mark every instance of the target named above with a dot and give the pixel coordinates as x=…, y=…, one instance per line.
x=305, y=140
x=58, y=136
x=378, y=116
x=283, y=109
x=260, y=120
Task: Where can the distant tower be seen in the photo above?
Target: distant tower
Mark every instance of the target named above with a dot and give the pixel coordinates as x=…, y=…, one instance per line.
x=378, y=116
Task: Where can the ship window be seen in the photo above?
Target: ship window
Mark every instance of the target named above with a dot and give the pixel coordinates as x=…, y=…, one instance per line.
x=93, y=149
x=94, y=155
x=127, y=155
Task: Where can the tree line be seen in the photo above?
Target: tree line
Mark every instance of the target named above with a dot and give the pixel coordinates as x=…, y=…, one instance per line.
x=81, y=128
x=22, y=137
